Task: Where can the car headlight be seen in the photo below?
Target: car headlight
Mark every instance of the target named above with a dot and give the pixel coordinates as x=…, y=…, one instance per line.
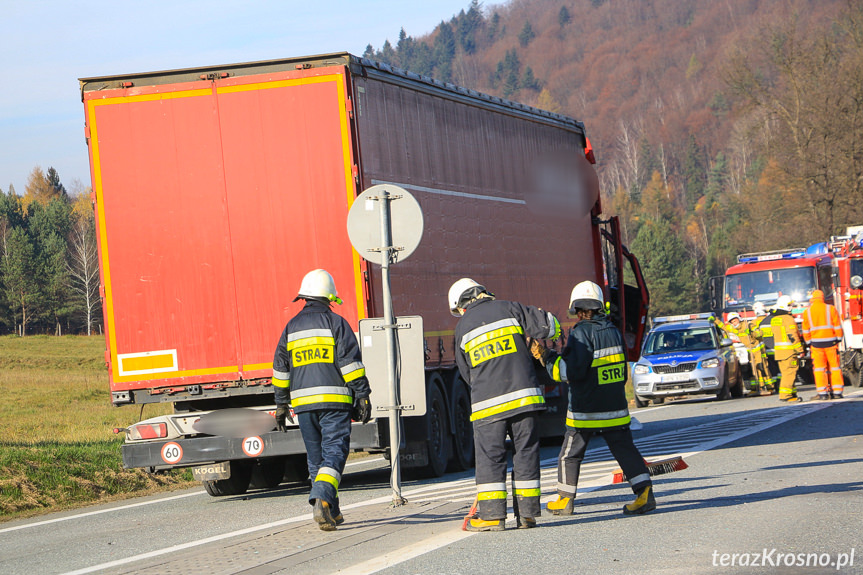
x=712, y=362
x=641, y=369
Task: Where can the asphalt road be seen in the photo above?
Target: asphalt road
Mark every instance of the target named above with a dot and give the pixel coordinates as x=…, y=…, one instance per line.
x=769, y=484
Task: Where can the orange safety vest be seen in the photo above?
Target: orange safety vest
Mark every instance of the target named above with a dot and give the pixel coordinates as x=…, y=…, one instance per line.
x=821, y=324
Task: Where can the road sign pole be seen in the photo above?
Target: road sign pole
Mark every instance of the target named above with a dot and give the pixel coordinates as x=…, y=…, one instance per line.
x=389, y=324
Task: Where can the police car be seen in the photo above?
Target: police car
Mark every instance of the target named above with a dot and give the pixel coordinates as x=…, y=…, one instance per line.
x=686, y=355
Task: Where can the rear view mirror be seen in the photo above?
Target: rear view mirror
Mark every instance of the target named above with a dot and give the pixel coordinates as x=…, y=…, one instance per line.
x=725, y=342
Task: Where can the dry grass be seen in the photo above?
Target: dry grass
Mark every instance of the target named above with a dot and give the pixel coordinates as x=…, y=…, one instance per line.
x=57, y=448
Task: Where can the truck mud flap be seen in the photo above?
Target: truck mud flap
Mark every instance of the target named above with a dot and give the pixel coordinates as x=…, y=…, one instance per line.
x=198, y=450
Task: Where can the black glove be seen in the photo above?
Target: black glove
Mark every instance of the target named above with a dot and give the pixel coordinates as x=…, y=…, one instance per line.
x=283, y=412
x=362, y=410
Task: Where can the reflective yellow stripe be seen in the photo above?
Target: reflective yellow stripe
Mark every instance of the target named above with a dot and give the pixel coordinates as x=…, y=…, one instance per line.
x=486, y=495
x=555, y=370
x=322, y=398
x=493, y=334
x=616, y=358
x=515, y=404
x=283, y=383
x=310, y=341
x=593, y=423
x=328, y=479
x=355, y=374
x=528, y=492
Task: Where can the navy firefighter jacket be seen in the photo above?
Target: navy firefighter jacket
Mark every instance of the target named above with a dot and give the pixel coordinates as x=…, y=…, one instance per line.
x=318, y=364
x=494, y=360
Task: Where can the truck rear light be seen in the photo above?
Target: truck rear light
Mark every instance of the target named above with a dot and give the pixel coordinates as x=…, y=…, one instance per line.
x=148, y=431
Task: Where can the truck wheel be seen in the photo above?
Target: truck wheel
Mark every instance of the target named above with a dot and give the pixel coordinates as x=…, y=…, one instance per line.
x=267, y=473
x=297, y=469
x=437, y=432
x=462, y=441
x=737, y=390
x=859, y=378
x=236, y=484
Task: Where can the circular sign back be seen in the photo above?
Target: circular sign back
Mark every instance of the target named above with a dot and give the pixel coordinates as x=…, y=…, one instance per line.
x=364, y=223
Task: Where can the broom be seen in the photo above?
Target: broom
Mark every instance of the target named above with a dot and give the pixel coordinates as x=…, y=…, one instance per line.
x=660, y=467
x=470, y=514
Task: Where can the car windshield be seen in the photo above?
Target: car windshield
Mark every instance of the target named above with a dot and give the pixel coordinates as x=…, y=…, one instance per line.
x=693, y=339
x=744, y=289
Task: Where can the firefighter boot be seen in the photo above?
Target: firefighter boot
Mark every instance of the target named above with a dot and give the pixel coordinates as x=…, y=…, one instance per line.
x=526, y=522
x=561, y=506
x=323, y=516
x=644, y=503
x=789, y=398
x=477, y=524
x=337, y=513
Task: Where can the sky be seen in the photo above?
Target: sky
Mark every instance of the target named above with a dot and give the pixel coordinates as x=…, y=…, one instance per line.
x=49, y=44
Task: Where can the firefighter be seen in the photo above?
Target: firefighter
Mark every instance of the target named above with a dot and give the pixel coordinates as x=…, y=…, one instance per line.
x=594, y=363
x=822, y=330
x=494, y=359
x=786, y=344
x=318, y=370
x=749, y=335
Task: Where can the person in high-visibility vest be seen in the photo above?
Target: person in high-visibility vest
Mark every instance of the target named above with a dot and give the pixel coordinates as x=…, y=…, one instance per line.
x=787, y=346
x=822, y=330
x=749, y=335
x=493, y=358
x=594, y=364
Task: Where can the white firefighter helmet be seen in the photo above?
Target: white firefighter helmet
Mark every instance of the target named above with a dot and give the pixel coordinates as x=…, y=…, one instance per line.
x=318, y=284
x=732, y=316
x=758, y=308
x=586, y=295
x=784, y=302
x=463, y=289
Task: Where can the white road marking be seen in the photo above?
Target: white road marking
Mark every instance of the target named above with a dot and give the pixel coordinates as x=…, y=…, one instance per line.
x=774, y=417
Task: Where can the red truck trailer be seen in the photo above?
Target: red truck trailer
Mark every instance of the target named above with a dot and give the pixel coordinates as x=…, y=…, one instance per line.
x=216, y=189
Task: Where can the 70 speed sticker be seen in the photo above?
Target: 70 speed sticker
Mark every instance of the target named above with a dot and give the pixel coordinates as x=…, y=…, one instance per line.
x=253, y=446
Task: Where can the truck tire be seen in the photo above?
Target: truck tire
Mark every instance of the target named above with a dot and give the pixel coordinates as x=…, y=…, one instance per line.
x=268, y=473
x=437, y=431
x=462, y=441
x=236, y=484
x=297, y=469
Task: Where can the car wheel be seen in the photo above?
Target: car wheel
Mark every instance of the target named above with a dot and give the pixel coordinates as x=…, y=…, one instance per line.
x=640, y=402
x=737, y=390
x=658, y=400
x=724, y=392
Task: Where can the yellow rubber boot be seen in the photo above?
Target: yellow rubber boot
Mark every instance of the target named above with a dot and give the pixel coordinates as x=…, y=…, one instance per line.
x=561, y=506
x=644, y=503
x=477, y=524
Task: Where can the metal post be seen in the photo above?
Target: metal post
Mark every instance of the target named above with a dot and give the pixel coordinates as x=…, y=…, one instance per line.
x=389, y=325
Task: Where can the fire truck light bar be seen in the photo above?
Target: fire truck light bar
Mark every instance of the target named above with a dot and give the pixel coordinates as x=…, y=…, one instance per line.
x=770, y=256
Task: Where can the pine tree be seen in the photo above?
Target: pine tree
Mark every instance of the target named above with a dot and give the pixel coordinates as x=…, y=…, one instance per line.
x=563, y=17
x=526, y=35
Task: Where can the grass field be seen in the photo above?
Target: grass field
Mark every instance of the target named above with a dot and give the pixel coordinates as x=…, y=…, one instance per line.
x=57, y=448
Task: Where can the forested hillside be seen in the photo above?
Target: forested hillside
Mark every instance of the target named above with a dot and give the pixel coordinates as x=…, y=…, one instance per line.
x=719, y=127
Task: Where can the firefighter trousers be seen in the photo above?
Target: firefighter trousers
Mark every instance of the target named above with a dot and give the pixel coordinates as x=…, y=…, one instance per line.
x=490, y=443
x=759, y=368
x=824, y=359
x=620, y=444
x=327, y=436
x=788, y=367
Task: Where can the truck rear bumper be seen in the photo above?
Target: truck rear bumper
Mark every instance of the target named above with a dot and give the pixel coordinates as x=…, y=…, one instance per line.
x=198, y=450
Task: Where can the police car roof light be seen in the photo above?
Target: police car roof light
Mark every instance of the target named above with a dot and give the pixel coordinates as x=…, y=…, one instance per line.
x=684, y=317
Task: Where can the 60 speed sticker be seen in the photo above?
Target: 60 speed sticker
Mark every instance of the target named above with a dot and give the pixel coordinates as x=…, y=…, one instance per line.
x=172, y=453
x=253, y=446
